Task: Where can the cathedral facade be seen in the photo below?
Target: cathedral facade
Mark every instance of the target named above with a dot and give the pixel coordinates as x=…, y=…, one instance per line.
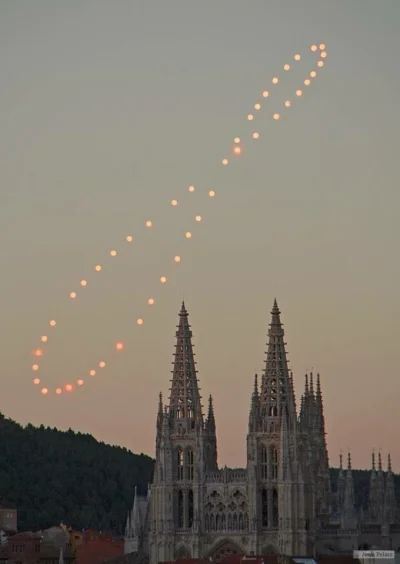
x=280, y=503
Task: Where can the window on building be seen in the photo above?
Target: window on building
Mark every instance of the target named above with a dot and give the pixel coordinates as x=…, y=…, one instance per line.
x=264, y=463
x=273, y=411
x=190, y=508
x=37, y=547
x=180, y=463
x=273, y=452
x=180, y=510
x=206, y=523
x=264, y=508
x=189, y=464
x=275, y=508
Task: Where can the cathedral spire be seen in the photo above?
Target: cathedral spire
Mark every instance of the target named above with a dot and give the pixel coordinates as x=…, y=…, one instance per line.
x=341, y=483
x=160, y=413
x=349, y=519
x=320, y=408
x=376, y=505
x=380, y=491
x=390, y=498
x=211, y=453
x=292, y=391
x=210, y=416
x=254, y=407
x=373, y=502
x=324, y=491
x=275, y=387
x=308, y=407
x=311, y=384
x=313, y=406
x=128, y=525
x=184, y=402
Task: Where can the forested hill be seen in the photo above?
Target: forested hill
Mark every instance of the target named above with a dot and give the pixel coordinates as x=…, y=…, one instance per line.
x=52, y=476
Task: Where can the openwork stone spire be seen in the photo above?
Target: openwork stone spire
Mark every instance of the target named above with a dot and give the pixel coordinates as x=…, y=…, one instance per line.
x=184, y=401
x=276, y=395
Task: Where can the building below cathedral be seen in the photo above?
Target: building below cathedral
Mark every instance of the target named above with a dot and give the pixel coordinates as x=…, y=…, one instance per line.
x=280, y=503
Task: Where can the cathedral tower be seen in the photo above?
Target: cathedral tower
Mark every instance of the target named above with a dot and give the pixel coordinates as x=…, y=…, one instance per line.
x=275, y=481
x=281, y=503
x=185, y=446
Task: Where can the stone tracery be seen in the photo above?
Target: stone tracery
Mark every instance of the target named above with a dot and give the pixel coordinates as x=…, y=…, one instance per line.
x=226, y=515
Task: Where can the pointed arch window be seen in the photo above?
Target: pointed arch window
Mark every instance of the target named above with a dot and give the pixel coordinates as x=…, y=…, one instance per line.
x=240, y=521
x=273, y=456
x=217, y=522
x=264, y=463
x=189, y=464
x=212, y=523
x=180, y=519
x=179, y=410
x=275, y=508
x=180, y=462
x=190, y=508
x=264, y=508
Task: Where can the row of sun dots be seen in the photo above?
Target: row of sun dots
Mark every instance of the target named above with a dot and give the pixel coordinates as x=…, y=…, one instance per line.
x=39, y=352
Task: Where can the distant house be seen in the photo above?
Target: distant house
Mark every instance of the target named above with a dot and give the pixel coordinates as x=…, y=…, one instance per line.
x=30, y=548
x=95, y=547
x=8, y=519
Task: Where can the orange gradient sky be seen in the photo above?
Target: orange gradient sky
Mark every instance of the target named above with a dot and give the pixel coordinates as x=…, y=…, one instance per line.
x=109, y=111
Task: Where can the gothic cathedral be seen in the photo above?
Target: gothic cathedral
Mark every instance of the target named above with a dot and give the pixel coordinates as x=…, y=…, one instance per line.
x=281, y=503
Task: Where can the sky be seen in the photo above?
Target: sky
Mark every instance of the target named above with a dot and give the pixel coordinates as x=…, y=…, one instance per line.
x=108, y=111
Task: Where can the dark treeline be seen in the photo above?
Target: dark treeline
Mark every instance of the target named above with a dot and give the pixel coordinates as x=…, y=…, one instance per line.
x=53, y=476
